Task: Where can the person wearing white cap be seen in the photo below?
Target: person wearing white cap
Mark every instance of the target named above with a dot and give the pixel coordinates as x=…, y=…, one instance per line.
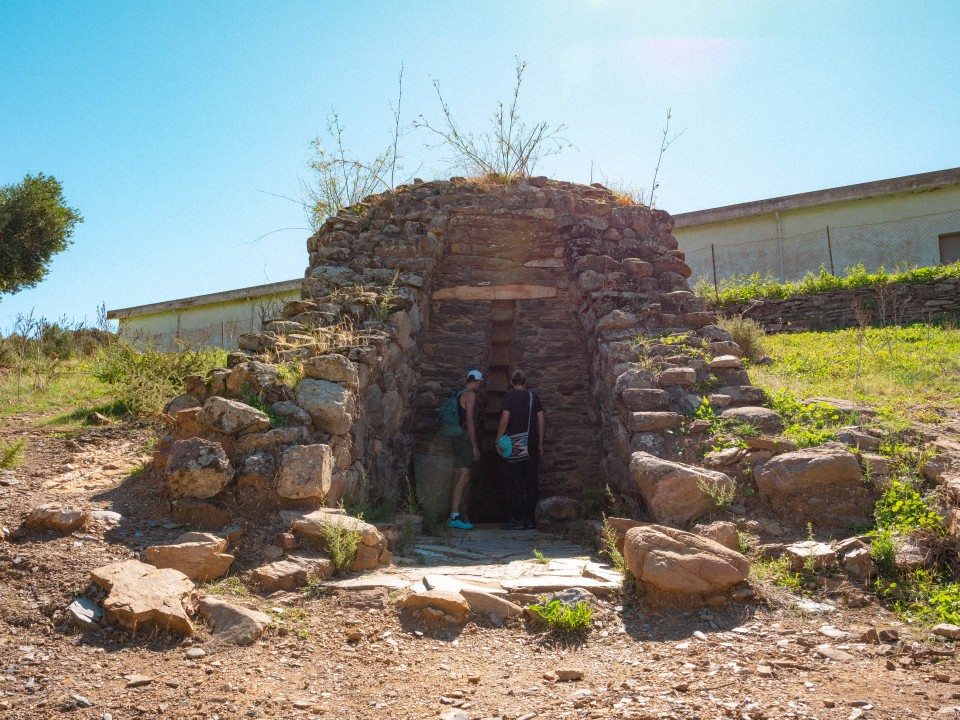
x=466, y=450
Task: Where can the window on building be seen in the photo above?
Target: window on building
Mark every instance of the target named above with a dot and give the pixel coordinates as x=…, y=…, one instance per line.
x=949, y=248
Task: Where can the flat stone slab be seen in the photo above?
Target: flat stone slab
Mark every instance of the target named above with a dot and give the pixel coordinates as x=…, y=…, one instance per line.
x=370, y=582
x=141, y=595
x=233, y=624
x=555, y=583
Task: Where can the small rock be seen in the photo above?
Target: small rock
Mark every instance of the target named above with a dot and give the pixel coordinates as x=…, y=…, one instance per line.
x=53, y=517
x=134, y=681
x=81, y=701
x=833, y=653
x=947, y=630
x=764, y=671
x=195, y=653
x=86, y=613
x=568, y=674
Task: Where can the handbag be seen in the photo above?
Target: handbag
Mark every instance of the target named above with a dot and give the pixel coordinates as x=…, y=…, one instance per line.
x=521, y=441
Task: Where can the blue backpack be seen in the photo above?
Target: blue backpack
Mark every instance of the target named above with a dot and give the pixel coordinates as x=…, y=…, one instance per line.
x=450, y=415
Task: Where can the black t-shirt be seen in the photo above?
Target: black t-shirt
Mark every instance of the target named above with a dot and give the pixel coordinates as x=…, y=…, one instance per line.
x=517, y=403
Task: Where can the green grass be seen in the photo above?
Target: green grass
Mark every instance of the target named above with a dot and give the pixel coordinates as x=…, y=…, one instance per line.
x=907, y=372
x=69, y=384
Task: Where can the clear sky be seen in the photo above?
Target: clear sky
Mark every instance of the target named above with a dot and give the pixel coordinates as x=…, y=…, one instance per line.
x=173, y=126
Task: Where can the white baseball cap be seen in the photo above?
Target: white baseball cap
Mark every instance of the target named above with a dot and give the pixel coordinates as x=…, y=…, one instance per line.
x=475, y=375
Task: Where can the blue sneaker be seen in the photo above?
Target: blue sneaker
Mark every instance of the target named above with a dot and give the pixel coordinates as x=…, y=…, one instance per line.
x=460, y=524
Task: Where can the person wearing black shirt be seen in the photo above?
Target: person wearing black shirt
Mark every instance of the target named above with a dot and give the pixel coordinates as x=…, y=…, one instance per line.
x=521, y=409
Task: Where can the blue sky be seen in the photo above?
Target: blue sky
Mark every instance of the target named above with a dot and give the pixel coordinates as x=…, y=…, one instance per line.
x=173, y=126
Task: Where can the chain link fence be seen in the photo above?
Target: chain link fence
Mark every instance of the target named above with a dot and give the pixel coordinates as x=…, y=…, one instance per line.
x=908, y=242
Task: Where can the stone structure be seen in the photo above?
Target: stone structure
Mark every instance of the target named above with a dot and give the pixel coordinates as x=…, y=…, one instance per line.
x=407, y=291
x=896, y=303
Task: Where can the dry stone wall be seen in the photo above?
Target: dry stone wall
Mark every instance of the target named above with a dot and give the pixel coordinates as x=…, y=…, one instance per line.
x=895, y=303
x=409, y=290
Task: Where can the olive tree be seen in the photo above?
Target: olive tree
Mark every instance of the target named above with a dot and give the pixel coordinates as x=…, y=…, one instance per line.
x=35, y=224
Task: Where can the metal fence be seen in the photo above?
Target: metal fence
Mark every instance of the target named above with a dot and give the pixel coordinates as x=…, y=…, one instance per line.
x=907, y=242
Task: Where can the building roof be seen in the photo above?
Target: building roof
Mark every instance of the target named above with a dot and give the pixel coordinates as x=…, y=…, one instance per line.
x=211, y=299
x=861, y=191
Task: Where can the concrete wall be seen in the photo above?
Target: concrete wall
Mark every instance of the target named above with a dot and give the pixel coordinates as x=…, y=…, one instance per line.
x=901, y=228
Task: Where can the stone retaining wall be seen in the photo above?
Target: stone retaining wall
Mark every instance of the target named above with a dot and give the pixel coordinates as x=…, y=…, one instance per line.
x=896, y=303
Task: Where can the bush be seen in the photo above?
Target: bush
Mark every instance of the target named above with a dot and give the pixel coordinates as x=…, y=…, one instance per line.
x=143, y=380
x=748, y=334
x=807, y=424
x=341, y=545
x=562, y=618
x=12, y=454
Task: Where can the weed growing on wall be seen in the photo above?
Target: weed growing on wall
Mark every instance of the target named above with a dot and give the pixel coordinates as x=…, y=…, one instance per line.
x=341, y=544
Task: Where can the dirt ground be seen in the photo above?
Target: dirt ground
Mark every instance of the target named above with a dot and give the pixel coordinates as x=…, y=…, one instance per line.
x=749, y=660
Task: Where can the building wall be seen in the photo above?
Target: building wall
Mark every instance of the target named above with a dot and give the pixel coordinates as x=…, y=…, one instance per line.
x=217, y=324
x=890, y=230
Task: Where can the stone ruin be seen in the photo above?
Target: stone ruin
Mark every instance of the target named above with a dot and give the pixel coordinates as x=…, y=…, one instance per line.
x=410, y=289
x=407, y=291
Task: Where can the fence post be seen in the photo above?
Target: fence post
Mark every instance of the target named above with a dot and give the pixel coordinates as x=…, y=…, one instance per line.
x=830, y=250
x=713, y=258
x=223, y=345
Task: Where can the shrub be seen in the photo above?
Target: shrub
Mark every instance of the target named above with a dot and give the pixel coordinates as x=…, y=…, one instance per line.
x=748, y=334
x=12, y=454
x=341, y=545
x=143, y=380
x=720, y=495
x=563, y=618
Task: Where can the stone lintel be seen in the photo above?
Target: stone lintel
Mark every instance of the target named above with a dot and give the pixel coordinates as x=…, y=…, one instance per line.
x=495, y=292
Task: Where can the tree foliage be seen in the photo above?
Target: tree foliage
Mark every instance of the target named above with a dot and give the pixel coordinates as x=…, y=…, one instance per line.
x=35, y=224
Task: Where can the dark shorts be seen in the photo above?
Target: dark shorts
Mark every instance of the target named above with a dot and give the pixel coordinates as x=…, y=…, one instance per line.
x=462, y=452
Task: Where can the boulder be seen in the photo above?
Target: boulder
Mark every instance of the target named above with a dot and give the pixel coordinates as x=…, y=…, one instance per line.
x=292, y=572
x=333, y=368
x=291, y=413
x=858, y=563
x=484, y=603
x=199, y=556
x=197, y=468
x=555, y=511
x=276, y=439
x=182, y=402
x=723, y=533
x=257, y=470
x=331, y=406
x=821, y=485
x=653, y=421
x=233, y=624
x=306, y=471
x=819, y=555
x=724, y=362
x=677, y=377
x=250, y=378
x=140, y=595
x=232, y=417
x=453, y=606
x=55, y=517
x=676, y=564
x=762, y=419
x=312, y=524
x=673, y=491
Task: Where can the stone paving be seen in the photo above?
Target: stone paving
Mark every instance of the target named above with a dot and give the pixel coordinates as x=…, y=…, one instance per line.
x=492, y=560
